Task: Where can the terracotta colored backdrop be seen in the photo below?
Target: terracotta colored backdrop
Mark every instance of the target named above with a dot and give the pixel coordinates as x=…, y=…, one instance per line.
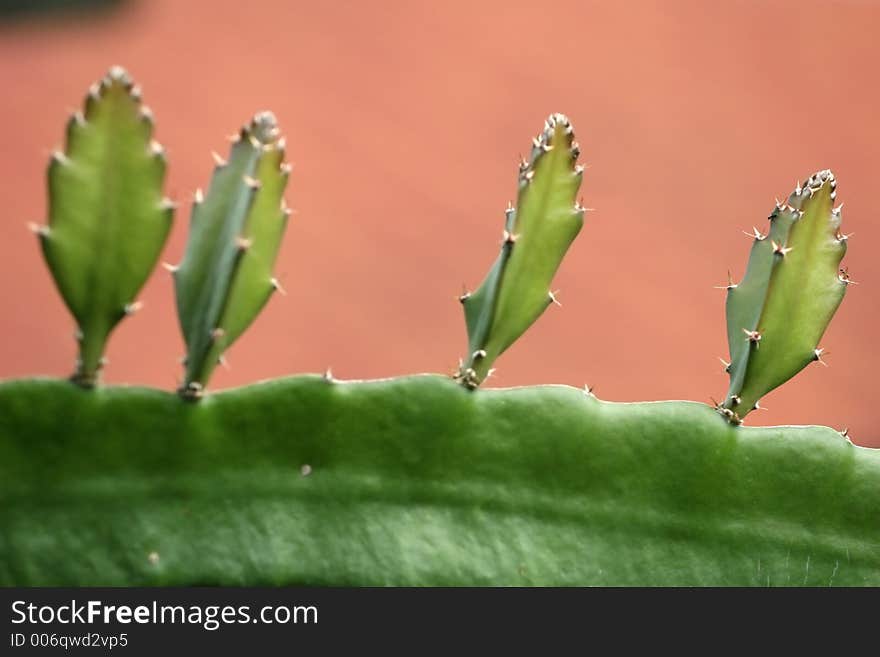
x=404, y=121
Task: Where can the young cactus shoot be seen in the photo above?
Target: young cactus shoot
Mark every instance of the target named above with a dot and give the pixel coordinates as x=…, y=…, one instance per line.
x=226, y=277
x=537, y=233
x=793, y=285
x=108, y=220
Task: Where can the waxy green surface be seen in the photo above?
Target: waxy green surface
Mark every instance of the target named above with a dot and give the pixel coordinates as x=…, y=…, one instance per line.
x=417, y=481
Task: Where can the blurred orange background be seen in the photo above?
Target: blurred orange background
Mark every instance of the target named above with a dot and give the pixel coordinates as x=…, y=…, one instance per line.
x=404, y=122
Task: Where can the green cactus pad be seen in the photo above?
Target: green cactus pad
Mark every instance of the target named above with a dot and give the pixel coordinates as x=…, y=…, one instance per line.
x=792, y=287
x=415, y=481
x=537, y=233
x=226, y=277
x=108, y=220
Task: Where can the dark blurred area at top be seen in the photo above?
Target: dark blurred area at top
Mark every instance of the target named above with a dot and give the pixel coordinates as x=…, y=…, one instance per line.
x=13, y=9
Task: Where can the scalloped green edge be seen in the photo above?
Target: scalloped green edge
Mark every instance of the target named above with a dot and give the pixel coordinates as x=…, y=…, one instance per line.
x=416, y=481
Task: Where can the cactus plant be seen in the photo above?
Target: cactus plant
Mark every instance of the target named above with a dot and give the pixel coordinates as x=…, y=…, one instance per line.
x=417, y=480
x=792, y=287
x=537, y=233
x=225, y=277
x=108, y=220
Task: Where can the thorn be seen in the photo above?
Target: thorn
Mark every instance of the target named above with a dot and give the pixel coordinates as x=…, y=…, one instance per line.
x=328, y=375
x=757, y=234
x=730, y=284
x=465, y=294
x=797, y=188
x=735, y=400
x=817, y=355
x=167, y=266
x=479, y=353
x=198, y=196
x=156, y=148
x=509, y=210
x=842, y=237
x=510, y=238
x=779, y=204
x=60, y=158
x=167, y=204
x=726, y=413
x=781, y=250
x=192, y=390
x=523, y=163
x=278, y=288
x=221, y=360
x=219, y=161
x=467, y=377
x=305, y=470
x=758, y=407
x=579, y=170
x=145, y=113
x=836, y=211
x=132, y=308
x=217, y=333
x=489, y=374
x=579, y=207
x=42, y=230
x=553, y=298
x=253, y=183
x=117, y=74
x=725, y=363
x=78, y=118
x=285, y=168
x=833, y=196
x=528, y=175
x=752, y=336
x=845, y=434
x=588, y=391
x=843, y=276
x=243, y=243
x=78, y=335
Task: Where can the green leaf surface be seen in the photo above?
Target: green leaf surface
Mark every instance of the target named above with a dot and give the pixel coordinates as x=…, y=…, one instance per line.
x=108, y=220
x=417, y=481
